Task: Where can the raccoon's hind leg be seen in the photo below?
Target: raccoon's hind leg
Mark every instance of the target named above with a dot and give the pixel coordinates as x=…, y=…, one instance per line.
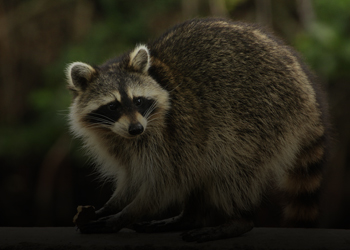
x=204, y=221
x=302, y=186
x=177, y=223
x=188, y=219
x=228, y=229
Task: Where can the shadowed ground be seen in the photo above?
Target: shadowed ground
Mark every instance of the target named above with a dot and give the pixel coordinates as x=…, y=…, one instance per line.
x=258, y=238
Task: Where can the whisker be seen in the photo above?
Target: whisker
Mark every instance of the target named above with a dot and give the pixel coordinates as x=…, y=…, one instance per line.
x=103, y=116
x=99, y=119
x=63, y=112
x=152, y=120
x=151, y=109
x=91, y=126
x=100, y=116
x=174, y=88
x=148, y=113
x=152, y=115
x=98, y=125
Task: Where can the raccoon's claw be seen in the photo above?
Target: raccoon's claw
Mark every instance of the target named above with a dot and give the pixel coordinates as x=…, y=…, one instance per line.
x=109, y=224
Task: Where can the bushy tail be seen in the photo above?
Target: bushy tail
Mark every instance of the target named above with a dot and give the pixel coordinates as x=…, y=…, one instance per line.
x=302, y=186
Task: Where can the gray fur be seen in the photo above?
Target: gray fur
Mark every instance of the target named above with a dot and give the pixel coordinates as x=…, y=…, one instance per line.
x=235, y=110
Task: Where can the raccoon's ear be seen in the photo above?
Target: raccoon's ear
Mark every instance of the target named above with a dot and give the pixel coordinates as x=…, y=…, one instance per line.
x=79, y=75
x=140, y=59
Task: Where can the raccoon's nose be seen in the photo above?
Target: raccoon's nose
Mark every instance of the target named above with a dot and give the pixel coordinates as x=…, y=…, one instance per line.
x=135, y=129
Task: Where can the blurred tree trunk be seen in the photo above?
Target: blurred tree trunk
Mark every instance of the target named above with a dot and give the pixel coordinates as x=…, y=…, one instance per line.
x=263, y=12
x=218, y=8
x=31, y=36
x=190, y=8
x=306, y=13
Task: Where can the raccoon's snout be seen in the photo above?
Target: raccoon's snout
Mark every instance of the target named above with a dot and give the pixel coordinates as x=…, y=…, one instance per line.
x=136, y=129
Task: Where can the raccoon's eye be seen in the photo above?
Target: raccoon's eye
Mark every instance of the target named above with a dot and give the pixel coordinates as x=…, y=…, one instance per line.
x=112, y=106
x=138, y=101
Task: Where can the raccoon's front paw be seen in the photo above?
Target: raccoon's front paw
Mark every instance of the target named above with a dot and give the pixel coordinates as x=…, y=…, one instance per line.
x=109, y=224
x=84, y=215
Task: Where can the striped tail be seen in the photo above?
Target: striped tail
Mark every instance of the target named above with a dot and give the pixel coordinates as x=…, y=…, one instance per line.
x=302, y=186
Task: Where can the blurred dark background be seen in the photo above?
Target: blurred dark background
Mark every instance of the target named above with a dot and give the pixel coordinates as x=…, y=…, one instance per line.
x=44, y=173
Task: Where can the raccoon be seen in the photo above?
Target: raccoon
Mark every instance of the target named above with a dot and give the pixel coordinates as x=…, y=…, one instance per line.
x=206, y=117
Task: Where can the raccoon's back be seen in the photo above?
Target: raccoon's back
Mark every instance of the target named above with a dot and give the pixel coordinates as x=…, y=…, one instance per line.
x=212, y=49
x=237, y=62
x=233, y=83
x=234, y=68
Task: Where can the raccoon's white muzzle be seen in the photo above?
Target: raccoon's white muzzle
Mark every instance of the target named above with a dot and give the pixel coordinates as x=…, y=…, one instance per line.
x=130, y=127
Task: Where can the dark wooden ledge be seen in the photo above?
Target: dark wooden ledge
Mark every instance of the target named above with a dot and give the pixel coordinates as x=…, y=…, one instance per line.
x=259, y=238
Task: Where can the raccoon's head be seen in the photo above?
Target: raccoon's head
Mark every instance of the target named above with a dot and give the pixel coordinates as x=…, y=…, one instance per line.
x=118, y=97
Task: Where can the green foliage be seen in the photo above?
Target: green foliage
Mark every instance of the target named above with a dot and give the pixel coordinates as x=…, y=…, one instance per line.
x=232, y=4
x=326, y=45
